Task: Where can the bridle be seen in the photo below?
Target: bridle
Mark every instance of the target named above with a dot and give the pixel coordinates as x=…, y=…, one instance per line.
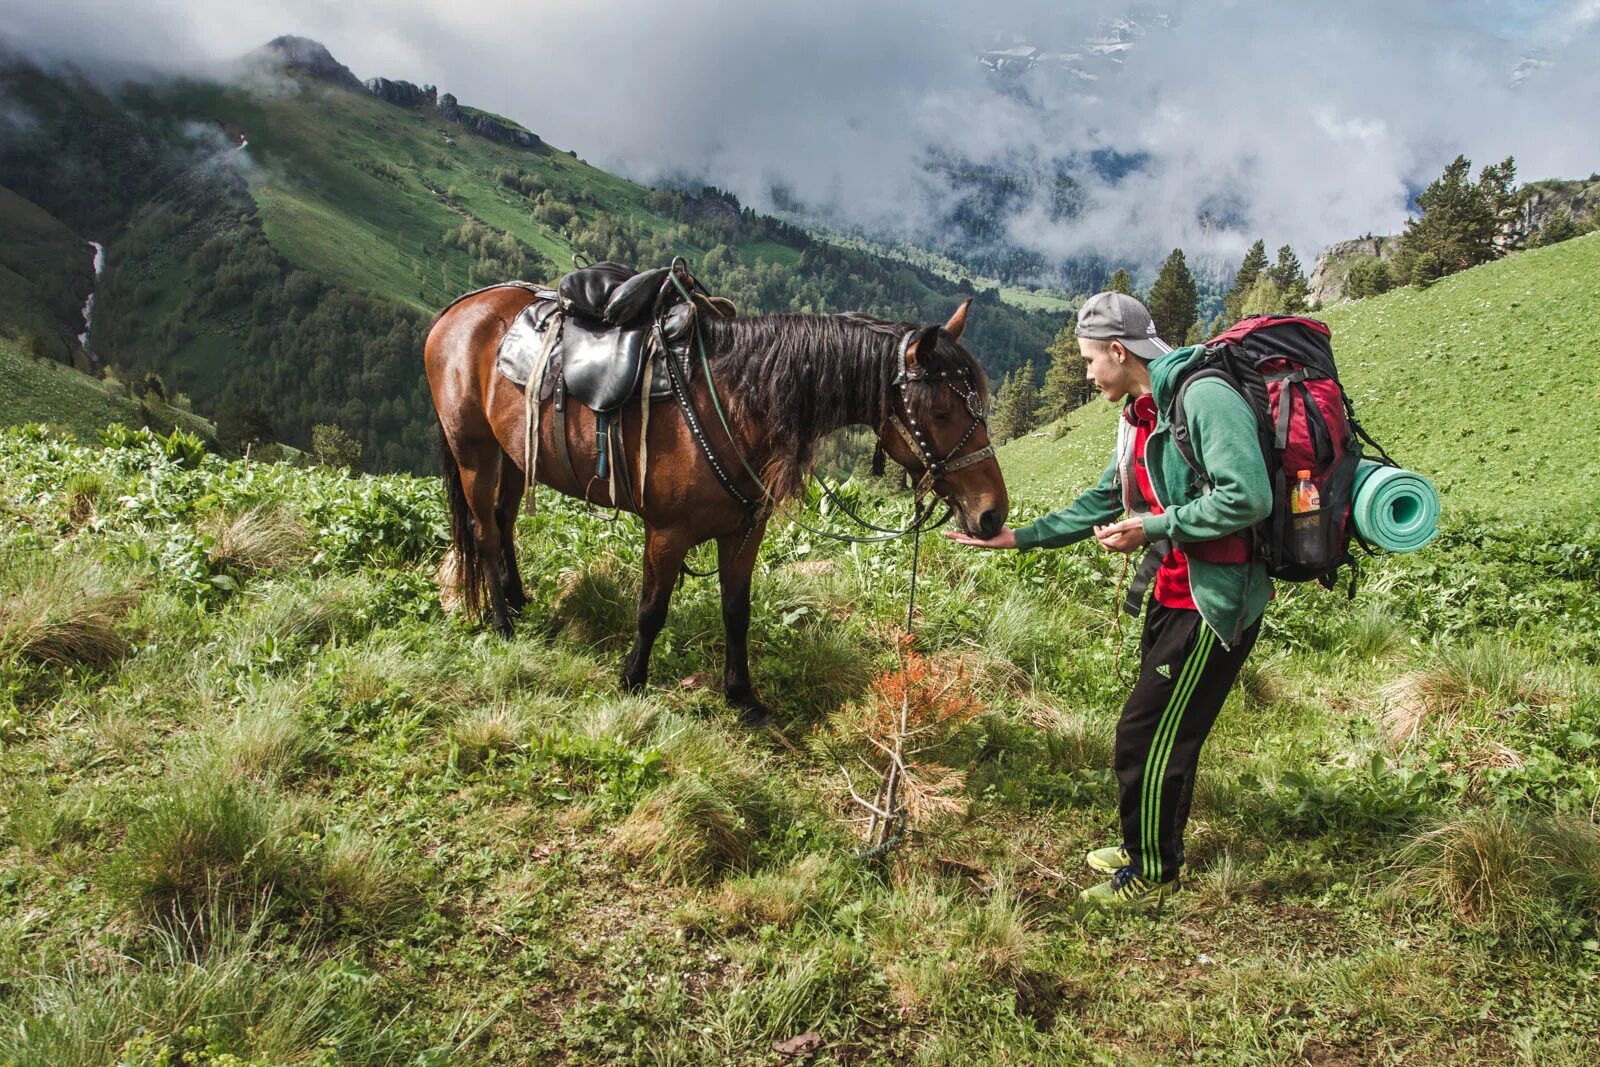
x=913, y=435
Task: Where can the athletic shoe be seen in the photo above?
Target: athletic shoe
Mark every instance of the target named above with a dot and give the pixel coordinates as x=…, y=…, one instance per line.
x=1111, y=859
x=1126, y=891
x=1108, y=860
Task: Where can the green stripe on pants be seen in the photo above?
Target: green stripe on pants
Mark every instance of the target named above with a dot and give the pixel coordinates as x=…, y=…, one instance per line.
x=1155, y=767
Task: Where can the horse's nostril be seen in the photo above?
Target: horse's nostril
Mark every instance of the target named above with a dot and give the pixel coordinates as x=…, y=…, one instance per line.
x=989, y=523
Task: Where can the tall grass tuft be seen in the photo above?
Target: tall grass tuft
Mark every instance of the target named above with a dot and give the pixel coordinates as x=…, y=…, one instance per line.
x=596, y=605
x=265, y=741
x=209, y=838
x=263, y=538
x=1463, y=684
x=199, y=996
x=84, y=490
x=688, y=830
x=480, y=734
x=1514, y=876
x=64, y=612
x=364, y=882
x=998, y=936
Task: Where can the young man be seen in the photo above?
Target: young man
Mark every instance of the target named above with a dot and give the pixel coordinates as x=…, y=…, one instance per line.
x=1209, y=592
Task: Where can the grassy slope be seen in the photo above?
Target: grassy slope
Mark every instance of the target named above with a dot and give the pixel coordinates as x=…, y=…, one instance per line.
x=450, y=849
x=44, y=391
x=1485, y=382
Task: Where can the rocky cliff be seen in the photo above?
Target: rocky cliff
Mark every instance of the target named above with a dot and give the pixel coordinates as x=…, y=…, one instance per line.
x=1332, y=269
x=484, y=124
x=302, y=53
x=400, y=93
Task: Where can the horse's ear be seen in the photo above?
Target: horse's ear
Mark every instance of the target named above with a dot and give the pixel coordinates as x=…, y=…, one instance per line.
x=958, y=321
x=920, y=350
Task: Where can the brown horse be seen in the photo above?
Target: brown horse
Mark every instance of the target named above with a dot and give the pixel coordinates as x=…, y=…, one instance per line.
x=784, y=380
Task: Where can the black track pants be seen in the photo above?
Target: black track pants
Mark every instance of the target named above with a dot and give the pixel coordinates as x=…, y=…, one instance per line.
x=1184, y=677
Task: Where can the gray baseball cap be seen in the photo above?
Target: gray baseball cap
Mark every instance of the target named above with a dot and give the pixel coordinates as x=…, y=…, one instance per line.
x=1119, y=317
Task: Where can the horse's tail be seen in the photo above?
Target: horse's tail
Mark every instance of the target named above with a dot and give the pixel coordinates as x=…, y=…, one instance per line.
x=473, y=582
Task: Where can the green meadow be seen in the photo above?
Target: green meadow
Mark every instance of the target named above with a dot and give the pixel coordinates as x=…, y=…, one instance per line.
x=264, y=801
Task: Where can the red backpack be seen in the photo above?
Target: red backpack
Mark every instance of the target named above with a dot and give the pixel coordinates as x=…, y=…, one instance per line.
x=1283, y=367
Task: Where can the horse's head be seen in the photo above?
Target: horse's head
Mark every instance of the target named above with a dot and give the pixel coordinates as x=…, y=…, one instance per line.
x=934, y=427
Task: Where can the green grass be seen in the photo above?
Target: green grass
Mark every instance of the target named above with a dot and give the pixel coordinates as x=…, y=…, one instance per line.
x=299, y=815
x=40, y=390
x=1483, y=382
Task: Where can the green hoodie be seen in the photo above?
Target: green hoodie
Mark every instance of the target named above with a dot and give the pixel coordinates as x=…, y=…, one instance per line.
x=1230, y=596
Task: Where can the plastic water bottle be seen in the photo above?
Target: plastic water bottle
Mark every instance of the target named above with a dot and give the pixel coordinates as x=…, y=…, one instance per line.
x=1305, y=535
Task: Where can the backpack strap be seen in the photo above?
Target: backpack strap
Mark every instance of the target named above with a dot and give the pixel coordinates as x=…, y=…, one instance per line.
x=1133, y=604
x=1180, y=420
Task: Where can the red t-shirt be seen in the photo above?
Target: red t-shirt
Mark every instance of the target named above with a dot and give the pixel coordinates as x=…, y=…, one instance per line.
x=1172, y=580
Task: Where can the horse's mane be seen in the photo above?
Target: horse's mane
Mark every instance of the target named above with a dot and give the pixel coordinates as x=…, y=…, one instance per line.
x=799, y=377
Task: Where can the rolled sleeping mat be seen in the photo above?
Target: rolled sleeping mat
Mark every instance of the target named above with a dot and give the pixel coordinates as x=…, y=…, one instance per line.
x=1394, y=509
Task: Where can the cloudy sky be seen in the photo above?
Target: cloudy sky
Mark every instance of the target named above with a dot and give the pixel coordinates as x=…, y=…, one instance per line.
x=1310, y=123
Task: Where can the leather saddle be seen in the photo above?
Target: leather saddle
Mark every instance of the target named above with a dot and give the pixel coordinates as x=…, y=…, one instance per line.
x=606, y=315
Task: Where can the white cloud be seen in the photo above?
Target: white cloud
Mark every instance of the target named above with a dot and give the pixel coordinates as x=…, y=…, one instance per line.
x=1311, y=123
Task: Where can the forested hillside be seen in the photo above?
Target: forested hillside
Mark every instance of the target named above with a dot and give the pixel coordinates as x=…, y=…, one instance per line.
x=276, y=248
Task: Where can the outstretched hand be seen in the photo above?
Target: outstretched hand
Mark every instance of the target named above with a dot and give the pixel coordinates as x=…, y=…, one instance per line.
x=1006, y=538
x=1124, y=536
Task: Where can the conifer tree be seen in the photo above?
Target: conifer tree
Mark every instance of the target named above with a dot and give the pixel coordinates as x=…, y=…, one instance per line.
x=1255, y=261
x=1462, y=223
x=1016, y=405
x=1290, y=279
x=1065, y=385
x=1120, y=282
x=1174, y=301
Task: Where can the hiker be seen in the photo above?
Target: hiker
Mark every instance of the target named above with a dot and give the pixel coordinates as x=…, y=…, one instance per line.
x=1206, y=598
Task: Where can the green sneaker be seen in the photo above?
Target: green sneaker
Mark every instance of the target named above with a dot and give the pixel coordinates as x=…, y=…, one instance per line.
x=1108, y=860
x=1111, y=859
x=1126, y=891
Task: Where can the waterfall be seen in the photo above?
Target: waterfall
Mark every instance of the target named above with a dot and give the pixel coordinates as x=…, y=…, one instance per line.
x=88, y=304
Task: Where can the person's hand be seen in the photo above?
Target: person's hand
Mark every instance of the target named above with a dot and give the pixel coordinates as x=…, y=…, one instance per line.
x=1006, y=538
x=1124, y=536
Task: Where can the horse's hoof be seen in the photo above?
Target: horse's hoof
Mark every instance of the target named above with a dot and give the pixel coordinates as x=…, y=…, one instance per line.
x=755, y=715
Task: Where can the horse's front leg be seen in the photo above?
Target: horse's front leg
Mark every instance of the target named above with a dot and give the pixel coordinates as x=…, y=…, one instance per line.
x=664, y=551
x=736, y=560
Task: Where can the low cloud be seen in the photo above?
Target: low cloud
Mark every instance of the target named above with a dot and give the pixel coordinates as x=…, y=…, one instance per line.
x=1253, y=118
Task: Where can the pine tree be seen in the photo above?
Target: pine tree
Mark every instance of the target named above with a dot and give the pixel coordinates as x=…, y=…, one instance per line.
x=1255, y=261
x=1065, y=385
x=1016, y=405
x=1497, y=185
x=1174, y=301
x=1461, y=222
x=1290, y=279
x=1120, y=282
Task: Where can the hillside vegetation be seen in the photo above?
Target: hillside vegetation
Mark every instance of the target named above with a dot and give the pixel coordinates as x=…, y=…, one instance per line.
x=40, y=390
x=294, y=280
x=1485, y=382
x=264, y=803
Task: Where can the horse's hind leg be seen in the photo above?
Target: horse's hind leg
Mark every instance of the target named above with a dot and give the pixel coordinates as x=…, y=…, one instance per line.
x=505, y=514
x=663, y=559
x=736, y=560
x=481, y=468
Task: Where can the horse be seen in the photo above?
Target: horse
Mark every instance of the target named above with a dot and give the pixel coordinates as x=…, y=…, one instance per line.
x=784, y=381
